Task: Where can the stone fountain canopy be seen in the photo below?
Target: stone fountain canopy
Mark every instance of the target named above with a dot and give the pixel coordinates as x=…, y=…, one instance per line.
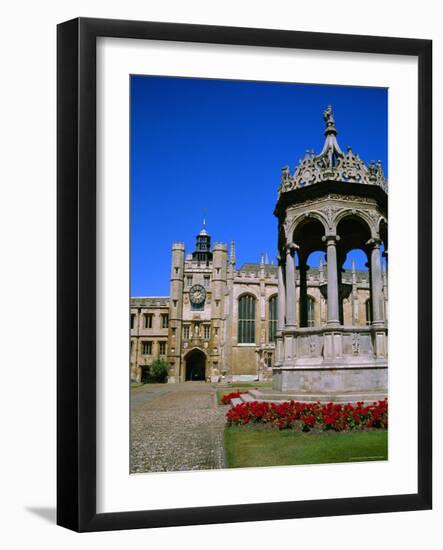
x=332, y=165
x=333, y=202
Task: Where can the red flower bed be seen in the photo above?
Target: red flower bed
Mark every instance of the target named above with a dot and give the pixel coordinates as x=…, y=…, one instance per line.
x=225, y=400
x=306, y=416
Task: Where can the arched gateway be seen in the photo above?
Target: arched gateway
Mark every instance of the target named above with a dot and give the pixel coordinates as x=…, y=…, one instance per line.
x=333, y=203
x=195, y=366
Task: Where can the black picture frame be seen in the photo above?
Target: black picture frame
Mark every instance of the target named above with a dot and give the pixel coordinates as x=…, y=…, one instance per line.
x=76, y=295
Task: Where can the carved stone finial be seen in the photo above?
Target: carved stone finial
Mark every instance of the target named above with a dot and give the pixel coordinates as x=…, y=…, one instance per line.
x=328, y=116
x=331, y=164
x=285, y=172
x=232, y=256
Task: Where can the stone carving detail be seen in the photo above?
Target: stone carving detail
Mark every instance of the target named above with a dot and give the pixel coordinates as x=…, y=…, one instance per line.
x=312, y=346
x=351, y=198
x=329, y=213
x=375, y=216
x=328, y=116
x=356, y=343
x=332, y=164
x=314, y=169
x=341, y=198
x=376, y=173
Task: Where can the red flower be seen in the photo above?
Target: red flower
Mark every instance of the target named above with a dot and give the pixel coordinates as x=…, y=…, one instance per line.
x=305, y=416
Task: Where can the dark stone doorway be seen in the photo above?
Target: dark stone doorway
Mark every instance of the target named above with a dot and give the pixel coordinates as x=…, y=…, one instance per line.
x=195, y=365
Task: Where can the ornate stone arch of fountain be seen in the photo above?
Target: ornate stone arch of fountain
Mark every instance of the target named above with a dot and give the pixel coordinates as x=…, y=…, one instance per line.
x=333, y=202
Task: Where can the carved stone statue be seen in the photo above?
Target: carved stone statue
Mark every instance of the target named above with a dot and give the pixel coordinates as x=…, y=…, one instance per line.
x=328, y=116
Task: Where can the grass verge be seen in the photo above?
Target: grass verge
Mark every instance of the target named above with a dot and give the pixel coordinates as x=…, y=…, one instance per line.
x=252, y=447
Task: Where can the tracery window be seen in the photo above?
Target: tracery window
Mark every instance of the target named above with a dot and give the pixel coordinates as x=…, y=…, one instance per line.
x=311, y=311
x=246, y=319
x=273, y=315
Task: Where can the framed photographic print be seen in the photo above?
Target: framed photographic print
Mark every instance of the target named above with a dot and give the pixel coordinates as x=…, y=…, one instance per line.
x=244, y=274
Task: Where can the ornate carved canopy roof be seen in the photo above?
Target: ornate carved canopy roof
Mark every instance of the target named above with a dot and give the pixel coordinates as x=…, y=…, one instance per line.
x=332, y=164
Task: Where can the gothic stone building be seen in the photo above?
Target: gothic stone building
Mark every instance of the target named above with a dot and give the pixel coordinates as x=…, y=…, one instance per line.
x=220, y=320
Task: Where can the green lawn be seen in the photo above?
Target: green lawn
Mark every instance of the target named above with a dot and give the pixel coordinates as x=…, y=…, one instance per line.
x=250, y=447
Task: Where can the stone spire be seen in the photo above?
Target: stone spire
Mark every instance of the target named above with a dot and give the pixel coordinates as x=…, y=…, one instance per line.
x=232, y=262
x=331, y=164
x=232, y=254
x=203, y=231
x=331, y=150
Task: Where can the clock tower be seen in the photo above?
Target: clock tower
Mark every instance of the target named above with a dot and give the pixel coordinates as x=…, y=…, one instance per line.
x=197, y=310
x=202, y=253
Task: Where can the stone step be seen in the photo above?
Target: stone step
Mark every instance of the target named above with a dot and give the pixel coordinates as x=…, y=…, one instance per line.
x=236, y=401
x=246, y=397
x=351, y=397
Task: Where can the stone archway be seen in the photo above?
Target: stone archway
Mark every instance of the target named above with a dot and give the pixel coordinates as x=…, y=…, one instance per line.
x=333, y=203
x=195, y=366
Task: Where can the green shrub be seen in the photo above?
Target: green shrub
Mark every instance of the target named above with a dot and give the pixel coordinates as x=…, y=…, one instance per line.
x=157, y=372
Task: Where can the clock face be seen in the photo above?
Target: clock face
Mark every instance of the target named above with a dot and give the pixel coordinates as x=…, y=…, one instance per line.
x=197, y=294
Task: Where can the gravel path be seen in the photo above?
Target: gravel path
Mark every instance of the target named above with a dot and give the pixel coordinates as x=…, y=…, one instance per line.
x=176, y=427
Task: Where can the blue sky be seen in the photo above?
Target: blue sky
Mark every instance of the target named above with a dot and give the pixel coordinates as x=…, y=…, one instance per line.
x=217, y=147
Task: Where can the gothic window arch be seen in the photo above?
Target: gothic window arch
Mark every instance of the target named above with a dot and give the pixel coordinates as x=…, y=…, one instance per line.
x=272, y=318
x=246, y=319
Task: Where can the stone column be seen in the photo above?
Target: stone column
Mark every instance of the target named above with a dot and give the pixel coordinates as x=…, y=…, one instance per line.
x=354, y=296
x=341, y=313
x=303, y=268
x=385, y=292
x=281, y=297
x=290, y=286
x=376, y=283
x=333, y=314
